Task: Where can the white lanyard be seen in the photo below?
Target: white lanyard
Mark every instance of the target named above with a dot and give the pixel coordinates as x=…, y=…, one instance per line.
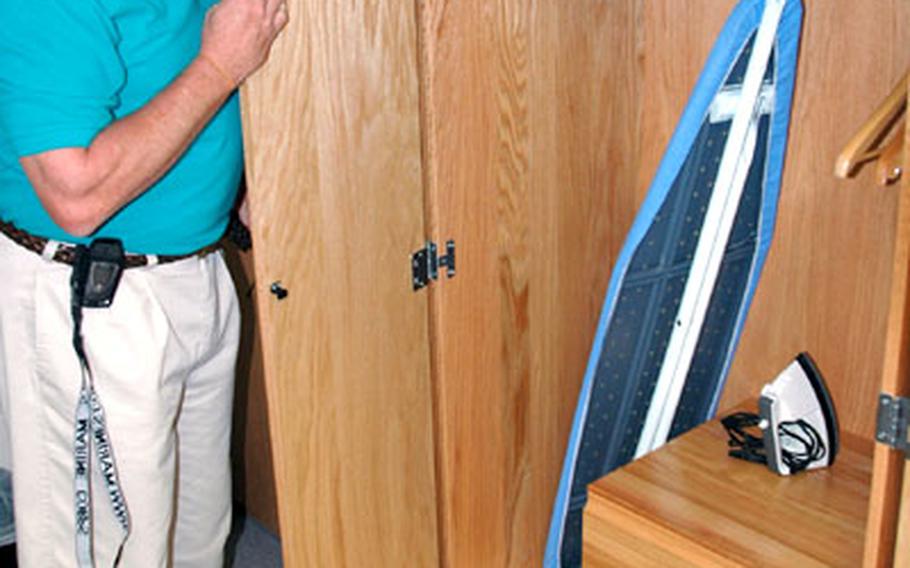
x=91, y=429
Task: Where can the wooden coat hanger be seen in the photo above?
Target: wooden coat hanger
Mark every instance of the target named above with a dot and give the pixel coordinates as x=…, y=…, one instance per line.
x=869, y=142
x=890, y=164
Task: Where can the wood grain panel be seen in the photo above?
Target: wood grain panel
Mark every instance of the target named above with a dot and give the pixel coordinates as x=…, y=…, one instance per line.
x=688, y=504
x=613, y=539
x=528, y=113
x=333, y=157
x=674, y=40
x=826, y=284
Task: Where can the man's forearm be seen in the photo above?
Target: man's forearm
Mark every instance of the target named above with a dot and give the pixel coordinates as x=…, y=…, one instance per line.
x=82, y=187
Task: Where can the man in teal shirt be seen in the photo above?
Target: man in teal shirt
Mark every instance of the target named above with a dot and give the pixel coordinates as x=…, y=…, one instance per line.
x=118, y=119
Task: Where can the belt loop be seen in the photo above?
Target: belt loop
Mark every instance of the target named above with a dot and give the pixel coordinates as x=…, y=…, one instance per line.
x=151, y=259
x=50, y=249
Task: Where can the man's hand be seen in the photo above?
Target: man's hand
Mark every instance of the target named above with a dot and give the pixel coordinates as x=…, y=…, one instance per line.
x=238, y=35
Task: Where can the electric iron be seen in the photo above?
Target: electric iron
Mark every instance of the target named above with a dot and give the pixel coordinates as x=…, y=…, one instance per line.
x=797, y=420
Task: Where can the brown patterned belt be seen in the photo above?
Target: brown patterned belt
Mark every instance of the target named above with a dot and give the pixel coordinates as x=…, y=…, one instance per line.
x=67, y=253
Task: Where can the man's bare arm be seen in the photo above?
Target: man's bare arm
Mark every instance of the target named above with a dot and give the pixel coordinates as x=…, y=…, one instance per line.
x=82, y=187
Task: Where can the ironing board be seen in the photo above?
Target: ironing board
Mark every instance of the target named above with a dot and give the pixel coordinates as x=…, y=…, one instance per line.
x=685, y=277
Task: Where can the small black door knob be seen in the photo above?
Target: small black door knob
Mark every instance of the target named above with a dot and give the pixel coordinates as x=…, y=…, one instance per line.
x=279, y=291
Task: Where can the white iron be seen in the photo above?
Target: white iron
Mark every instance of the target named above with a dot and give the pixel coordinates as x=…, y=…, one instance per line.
x=798, y=421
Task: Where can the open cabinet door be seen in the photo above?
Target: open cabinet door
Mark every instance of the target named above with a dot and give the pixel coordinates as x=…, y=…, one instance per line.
x=333, y=163
x=885, y=545
x=902, y=548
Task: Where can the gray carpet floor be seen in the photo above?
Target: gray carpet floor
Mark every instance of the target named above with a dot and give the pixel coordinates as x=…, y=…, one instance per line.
x=251, y=545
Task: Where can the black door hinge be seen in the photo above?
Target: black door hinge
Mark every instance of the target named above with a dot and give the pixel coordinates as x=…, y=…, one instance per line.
x=892, y=422
x=425, y=264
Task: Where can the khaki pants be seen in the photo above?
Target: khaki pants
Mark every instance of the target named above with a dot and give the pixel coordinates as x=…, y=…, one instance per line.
x=163, y=358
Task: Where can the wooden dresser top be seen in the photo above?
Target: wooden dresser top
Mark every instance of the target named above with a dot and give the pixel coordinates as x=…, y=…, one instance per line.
x=689, y=502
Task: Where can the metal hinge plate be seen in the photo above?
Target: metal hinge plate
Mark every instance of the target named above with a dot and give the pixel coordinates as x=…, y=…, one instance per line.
x=425, y=264
x=892, y=421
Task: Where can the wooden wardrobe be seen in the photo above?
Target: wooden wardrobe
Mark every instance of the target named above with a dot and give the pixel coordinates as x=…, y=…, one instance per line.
x=427, y=427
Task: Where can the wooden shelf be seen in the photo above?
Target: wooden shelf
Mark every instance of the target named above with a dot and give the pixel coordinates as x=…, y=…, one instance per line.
x=689, y=503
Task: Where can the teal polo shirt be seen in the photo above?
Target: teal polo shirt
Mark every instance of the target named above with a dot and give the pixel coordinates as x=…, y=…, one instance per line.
x=68, y=69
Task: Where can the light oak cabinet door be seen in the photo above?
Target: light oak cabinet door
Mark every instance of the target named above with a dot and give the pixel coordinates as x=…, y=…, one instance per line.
x=528, y=111
x=333, y=161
